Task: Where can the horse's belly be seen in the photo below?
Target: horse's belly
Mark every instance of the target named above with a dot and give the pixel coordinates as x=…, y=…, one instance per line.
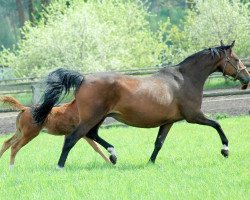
x=147, y=102
x=139, y=122
x=147, y=115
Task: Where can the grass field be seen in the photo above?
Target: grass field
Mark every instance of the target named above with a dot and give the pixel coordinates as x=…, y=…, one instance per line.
x=220, y=83
x=189, y=166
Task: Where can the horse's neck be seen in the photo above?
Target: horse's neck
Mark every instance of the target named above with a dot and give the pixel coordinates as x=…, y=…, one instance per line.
x=197, y=71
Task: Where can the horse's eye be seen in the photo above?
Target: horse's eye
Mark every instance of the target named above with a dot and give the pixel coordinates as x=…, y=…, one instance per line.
x=236, y=60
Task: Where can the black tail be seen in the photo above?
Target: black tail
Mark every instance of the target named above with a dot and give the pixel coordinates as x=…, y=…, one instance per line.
x=57, y=81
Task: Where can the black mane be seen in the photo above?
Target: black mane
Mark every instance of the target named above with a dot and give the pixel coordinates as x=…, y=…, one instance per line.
x=213, y=51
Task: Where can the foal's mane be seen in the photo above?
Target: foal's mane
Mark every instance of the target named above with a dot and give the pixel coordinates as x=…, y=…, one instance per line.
x=213, y=51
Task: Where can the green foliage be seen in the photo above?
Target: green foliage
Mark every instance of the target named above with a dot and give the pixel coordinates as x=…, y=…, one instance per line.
x=7, y=25
x=113, y=35
x=6, y=38
x=90, y=36
x=220, y=83
x=209, y=22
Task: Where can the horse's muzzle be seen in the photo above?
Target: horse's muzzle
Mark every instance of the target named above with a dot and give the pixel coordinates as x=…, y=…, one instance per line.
x=245, y=83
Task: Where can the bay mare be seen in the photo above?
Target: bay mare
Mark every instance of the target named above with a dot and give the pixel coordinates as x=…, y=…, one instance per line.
x=168, y=96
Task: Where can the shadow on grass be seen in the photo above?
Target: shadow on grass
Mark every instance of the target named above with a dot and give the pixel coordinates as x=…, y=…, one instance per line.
x=96, y=166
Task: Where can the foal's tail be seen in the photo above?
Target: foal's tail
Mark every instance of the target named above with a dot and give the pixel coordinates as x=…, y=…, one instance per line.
x=13, y=103
x=57, y=81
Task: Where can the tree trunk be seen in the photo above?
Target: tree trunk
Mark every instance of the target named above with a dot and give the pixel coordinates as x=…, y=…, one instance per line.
x=31, y=12
x=190, y=4
x=20, y=10
x=45, y=2
x=11, y=20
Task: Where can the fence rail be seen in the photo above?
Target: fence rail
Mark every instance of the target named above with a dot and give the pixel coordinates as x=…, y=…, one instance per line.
x=31, y=84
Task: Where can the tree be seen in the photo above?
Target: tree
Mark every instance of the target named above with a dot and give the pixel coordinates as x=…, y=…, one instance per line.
x=8, y=23
x=31, y=11
x=45, y=2
x=207, y=23
x=20, y=10
x=92, y=36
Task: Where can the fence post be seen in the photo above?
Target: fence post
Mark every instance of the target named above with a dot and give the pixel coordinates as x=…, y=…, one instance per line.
x=36, y=93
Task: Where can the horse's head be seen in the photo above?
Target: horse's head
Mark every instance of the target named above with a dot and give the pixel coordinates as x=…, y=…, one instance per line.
x=231, y=65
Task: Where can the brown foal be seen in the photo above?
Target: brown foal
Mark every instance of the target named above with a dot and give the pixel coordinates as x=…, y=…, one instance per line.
x=61, y=121
x=168, y=96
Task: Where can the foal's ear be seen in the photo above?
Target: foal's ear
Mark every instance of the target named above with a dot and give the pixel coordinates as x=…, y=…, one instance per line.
x=232, y=45
x=221, y=43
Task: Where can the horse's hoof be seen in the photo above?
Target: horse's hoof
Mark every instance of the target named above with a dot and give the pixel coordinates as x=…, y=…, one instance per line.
x=225, y=153
x=11, y=167
x=113, y=159
x=151, y=162
x=59, y=167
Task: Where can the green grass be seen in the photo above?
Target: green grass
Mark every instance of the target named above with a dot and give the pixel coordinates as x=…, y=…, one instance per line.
x=220, y=83
x=189, y=166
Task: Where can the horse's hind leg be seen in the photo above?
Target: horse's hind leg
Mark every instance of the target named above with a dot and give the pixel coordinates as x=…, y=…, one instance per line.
x=162, y=134
x=70, y=142
x=93, y=134
x=7, y=144
x=110, y=148
x=201, y=119
x=96, y=147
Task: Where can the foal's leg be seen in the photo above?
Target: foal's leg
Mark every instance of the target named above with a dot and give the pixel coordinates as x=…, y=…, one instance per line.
x=96, y=147
x=162, y=134
x=93, y=134
x=203, y=120
x=7, y=144
x=25, y=139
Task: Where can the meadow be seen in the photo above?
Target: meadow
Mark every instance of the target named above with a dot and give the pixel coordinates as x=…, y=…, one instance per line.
x=189, y=166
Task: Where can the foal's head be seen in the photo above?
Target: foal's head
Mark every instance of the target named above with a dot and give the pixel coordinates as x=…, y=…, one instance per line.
x=231, y=65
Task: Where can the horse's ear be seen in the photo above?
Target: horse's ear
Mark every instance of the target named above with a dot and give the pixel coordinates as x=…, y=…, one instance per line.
x=232, y=45
x=221, y=43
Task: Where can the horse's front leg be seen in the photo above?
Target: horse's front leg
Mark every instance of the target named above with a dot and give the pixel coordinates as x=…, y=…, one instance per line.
x=162, y=134
x=203, y=120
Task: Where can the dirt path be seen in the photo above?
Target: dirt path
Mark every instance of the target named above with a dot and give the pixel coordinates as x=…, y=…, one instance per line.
x=231, y=105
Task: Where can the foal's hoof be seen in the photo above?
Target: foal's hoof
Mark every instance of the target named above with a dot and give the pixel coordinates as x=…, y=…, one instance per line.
x=225, y=153
x=113, y=159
